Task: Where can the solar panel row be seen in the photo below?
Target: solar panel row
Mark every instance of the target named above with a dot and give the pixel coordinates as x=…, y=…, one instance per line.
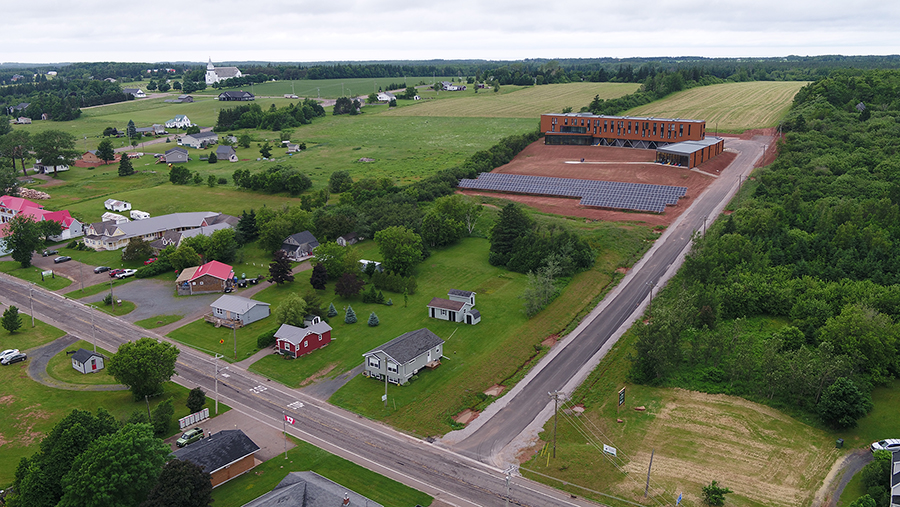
x=606, y=194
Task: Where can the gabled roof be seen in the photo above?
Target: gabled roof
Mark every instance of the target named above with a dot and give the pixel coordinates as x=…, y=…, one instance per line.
x=203, y=135
x=446, y=304
x=186, y=274
x=83, y=356
x=17, y=203
x=475, y=313
x=301, y=238
x=238, y=94
x=457, y=292
x=178, y=149
x=309, y=489
x=215, y=269
x=63, y=217
x=408, y=346
x=296, y=334
x=236, y=304
x=223, y=151
x=219, y=450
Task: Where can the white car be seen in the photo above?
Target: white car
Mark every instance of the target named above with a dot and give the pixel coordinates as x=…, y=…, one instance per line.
x=8, y=352
x=126, y=273
x=890, y=444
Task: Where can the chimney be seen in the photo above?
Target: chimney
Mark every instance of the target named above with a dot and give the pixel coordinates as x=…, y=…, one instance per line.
x=346, y=501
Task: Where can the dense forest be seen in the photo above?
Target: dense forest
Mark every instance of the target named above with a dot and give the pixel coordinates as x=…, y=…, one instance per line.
x=813, y=247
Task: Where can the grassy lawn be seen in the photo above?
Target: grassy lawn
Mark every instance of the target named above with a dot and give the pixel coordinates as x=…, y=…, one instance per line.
x=158, y=321
x=306, y=457
x=205, y=337
x=118, y=310
x=60, y=367
x=733, y=107
x=333, y=88
x=33, y=274
x=696, y=437
x=28, y=337
x=31, y=409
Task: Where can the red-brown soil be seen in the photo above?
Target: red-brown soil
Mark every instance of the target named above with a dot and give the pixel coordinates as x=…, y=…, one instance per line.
x=607, y=164
x=466, y=416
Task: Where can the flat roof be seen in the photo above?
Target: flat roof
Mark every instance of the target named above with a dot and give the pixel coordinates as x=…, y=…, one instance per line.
x=688, y=147
x=639, y=118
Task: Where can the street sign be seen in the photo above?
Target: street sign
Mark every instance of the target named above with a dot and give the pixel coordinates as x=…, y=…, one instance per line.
x=383, y=397
x=621, y=396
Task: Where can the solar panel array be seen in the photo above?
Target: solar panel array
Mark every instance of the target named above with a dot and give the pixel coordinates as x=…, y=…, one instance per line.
x=604, y=194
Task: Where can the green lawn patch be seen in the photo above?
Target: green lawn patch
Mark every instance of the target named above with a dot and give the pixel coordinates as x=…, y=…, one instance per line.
x=158, y=321
x=205, y=337
x=306, y=457
x=60, y=367
x=33, y=274
x=28, y=337
x=119, y=309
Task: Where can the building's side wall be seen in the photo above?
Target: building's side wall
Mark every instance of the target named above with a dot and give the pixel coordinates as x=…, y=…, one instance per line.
x=206, y=284
x=231, y=471
x=618, y=127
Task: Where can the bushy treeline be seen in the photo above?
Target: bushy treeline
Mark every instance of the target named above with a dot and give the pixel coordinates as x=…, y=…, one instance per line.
x=252, y=116
x=61, y=99
x=501, y=153
x=274, y=179
x=815, y=244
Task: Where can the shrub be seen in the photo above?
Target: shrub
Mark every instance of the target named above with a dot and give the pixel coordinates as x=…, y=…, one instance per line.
x=373, y=320
x=350, y=316
x=266, y=339
x=223, y=181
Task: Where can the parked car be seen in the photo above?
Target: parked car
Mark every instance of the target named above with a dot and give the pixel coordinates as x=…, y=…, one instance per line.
x=101, y=269
x=62, y=258
x=890, y=444
x=48, y=253
x=114, y=272
x=190, y=436
x=8, y=352
x=126, y=273
x=151, y=260
x=13, y=358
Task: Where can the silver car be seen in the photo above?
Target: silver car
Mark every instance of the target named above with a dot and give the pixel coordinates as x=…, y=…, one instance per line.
x=890, y=444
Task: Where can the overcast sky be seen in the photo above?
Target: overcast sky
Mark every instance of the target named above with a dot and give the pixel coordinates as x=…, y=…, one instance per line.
x=44, y=31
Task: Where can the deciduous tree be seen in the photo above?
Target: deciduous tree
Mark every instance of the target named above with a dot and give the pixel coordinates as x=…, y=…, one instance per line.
x=23, y=237
x=291, y=311
x=105, y=151
x=714, y=494
x=16, y=145
x=180, y=175
x=340, y=181
x=55, y=147
x=348, y=285
x=180, y=484
x=184, y=257
x=400, y=248
x=842, y=404
x=136, y=250
x=196, y=399
x=143, y=365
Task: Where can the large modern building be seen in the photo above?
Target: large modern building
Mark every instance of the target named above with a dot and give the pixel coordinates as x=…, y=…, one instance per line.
x=677, y=141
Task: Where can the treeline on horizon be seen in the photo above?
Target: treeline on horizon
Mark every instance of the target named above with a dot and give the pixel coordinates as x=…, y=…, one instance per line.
x=793, y=299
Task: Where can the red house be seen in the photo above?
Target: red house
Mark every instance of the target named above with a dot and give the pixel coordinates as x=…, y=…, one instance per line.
x=298, y=341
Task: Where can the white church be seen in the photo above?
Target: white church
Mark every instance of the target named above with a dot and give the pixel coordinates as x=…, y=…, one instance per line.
x=216, y=74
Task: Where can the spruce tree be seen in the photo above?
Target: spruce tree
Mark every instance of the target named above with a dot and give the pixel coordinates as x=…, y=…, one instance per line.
x=373, y=320
x=350, y=317
x=332, y=311
x=125, y=167
x=11, y=321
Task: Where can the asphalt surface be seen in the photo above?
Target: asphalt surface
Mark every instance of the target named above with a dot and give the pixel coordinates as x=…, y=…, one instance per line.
x=40, y=357
x=156, y=297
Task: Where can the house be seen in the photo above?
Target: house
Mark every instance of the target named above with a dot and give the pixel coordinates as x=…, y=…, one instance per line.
x=239, y=95
x=458, y=308
x=182, y=99
x=895, y=479
x=135, y=92
x=215, y=74
x=348, y=239
x=404, y=356
x=109, y=235
x=298, y=341
x=179, y=122
x=450, y=87
x=175, y=155
x=109, y=216
x=309, y=489
x=214, y=276
x=299, y=246
x=363, y=264
x=11, y=206
x=386, y=96
x=293, y=148
x=139, y=215
x=225, y=152
x=236, y=308
x=200, y=140
x=115, y=205
x=86, y=361
x=23, y=120
x=175, y=238
x=223, y=455
x=91, y=159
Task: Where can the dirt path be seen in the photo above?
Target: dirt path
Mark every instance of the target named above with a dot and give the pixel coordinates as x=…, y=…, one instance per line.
x=839, y=476
x=40, y=358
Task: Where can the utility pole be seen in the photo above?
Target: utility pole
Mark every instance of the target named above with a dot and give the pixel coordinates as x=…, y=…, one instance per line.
x=217, y=382
x=112, y=296
x=647, y=487
x=234, y=335
x=149, y=417
x=555, y=395
x=93, y=329
x=284, y=430
x=32, y=303
x=385, y=383
x=81, y=274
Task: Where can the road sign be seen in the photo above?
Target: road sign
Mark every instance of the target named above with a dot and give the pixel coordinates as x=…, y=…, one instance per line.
x=621, y=396
x=383, y=397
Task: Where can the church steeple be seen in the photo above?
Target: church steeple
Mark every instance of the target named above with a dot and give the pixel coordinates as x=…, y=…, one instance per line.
x=209, y=66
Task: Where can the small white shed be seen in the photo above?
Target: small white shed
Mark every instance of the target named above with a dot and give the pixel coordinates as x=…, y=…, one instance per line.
x=139, y=215
x=87, y=361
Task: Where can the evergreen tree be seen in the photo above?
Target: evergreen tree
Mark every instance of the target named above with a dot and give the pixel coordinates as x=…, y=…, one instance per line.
x=130, y=130
x=196, y=400
x=247, y=229
x=512, y=225
x=280, y=268
x=319, y=277
x=373, y=320
x=332, y=311
x=380, y=298
x=212, y=158
x=11, y=320
x=350, y=317
x=105, y=151
x=125, y=167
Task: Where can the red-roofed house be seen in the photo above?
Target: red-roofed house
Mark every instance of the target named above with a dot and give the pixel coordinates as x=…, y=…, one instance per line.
x=214, y=276
x=11, y=206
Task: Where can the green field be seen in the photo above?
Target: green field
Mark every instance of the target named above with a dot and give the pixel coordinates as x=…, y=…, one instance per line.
x=33, y=274
x=513, y=101
x=730, y=107
x=60, y=367
x=331, y=88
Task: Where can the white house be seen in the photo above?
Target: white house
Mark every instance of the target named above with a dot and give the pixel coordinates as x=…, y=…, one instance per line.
x=459, y=308
x=386, y=96
x=86, y=361
x=136, y=92
x=47, y=169
x=215, y=74
x=179, y=122
x=348, y=239
x=239, y=309
x=109, y=216
x=200, y=140
x=116, y=205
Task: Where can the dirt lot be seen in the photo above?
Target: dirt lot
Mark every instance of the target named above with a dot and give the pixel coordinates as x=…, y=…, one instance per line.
x=607, y=164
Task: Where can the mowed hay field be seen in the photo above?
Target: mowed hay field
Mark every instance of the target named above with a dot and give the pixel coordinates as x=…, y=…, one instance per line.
x=528, y=102
x=734, y=107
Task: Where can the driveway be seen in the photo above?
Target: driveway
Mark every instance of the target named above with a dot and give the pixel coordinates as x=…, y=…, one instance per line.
x=156, y=297
x=73, y=270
